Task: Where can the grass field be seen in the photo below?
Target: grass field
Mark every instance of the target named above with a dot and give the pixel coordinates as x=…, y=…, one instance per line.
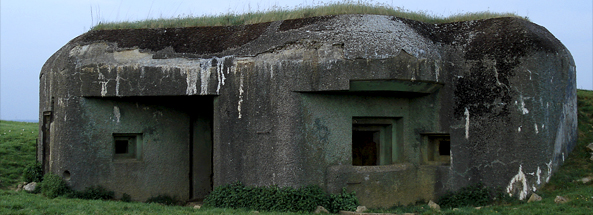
x=276, y=14
x=17, y=149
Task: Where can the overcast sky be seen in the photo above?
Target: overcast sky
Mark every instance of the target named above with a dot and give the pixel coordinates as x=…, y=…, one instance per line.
x=32, y=30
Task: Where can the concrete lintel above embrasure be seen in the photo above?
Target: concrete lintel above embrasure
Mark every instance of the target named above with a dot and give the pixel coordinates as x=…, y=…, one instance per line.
x=394, y=86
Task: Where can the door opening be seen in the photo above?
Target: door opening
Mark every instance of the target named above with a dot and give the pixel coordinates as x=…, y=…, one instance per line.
x=200, y=148
x=46, y=128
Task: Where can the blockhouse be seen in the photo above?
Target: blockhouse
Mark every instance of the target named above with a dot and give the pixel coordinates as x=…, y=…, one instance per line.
x=394, y=109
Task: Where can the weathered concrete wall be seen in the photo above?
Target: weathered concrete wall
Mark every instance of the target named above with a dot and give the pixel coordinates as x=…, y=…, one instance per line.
x=164, y=164
x=514, y=110
x=280, y=99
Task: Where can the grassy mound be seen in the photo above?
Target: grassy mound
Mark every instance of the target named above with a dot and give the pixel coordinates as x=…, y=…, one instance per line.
x=277, y=14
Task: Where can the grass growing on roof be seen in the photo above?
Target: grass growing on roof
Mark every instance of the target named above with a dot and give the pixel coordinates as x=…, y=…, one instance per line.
x=277, y=14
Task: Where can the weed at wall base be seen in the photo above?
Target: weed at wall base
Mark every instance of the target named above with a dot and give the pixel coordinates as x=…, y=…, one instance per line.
x=274, y=198
x=53, y=186
x=474, y=196
x=95, y=192
x=33, y=173
x=164, y=200
x=342, y=202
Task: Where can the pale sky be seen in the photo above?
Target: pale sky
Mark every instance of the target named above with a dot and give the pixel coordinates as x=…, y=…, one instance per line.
x=32, y=30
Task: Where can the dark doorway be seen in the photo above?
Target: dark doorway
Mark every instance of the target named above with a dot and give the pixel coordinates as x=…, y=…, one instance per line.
x=364, y=148
x=201, y=168
x=45, y=129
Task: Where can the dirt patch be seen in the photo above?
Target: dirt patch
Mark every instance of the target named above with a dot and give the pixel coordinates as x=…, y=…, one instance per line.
x=194, y=40
x=299, y=23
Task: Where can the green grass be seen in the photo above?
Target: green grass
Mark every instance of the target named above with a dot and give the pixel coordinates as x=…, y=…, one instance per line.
x=12, y=202
x=17, y=150
x=276, y=14
x=578, y=164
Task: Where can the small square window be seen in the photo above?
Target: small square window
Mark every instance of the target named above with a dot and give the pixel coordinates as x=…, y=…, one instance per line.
x=437, y=149
x=127, y=146
x=121, y=146
x=444, y=147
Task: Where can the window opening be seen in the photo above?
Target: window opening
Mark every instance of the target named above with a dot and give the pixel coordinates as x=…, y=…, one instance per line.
x=121, y=146
x=364, y=148
x=127, y=146
x=437, y=149
x=444, y=147
x=375, y=141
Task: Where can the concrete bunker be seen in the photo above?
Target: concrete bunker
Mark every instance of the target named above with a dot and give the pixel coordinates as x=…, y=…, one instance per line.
x=396, y=110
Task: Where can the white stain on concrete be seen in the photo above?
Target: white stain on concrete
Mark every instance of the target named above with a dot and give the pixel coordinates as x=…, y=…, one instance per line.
x=519, y=183
x=240, y=95
x=192, y=81
x=271, y=71
x=451, y=159
x=79, y=50
x=103, y=83
x=116, y=113
x=466, y=113
x=61, y=102
x=568, y=122
x=220, y=73
x=523, y=109
x=549, y=171
x=496, y=76
x=539, y=177
x=201, y=70
x=205, y=66
x=130, y=56
x=117, y=79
